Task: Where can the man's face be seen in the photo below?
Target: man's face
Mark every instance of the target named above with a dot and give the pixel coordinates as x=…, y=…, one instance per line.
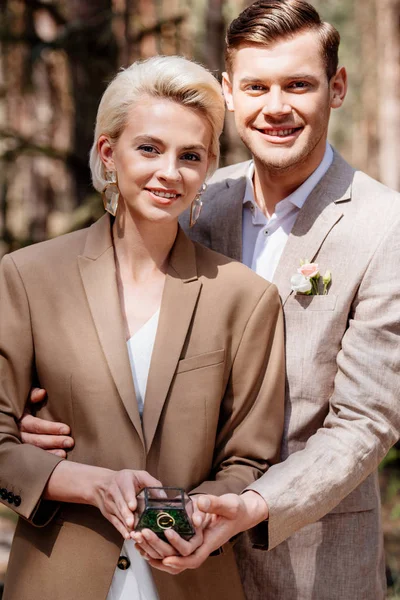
x=281, y=98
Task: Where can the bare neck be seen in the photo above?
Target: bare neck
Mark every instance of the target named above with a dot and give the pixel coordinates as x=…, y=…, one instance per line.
x=142, y=248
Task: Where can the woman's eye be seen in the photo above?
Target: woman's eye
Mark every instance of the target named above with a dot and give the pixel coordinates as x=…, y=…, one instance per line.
x=190, y=156
x=148, y=149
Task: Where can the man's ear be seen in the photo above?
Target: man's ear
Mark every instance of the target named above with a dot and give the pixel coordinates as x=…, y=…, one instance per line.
x=106, y=152
x=338, y=87
x=227, y=89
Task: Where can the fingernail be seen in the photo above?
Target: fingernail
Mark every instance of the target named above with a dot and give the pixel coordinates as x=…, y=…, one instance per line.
x=170, y=534
x=68, y=443
x=205, y=503
x=64, y=430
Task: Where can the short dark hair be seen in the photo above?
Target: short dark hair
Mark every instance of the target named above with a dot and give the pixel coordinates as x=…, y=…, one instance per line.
x=266, y=21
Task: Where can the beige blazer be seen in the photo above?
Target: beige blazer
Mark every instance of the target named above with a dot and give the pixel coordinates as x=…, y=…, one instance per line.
x=213, y=414
x=343, y=385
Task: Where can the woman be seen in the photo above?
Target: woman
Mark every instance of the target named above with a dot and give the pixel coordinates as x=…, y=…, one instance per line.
x=165, y=357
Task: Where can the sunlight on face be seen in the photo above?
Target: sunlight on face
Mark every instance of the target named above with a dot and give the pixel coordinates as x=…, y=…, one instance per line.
x=281, y=98
x=161, y=158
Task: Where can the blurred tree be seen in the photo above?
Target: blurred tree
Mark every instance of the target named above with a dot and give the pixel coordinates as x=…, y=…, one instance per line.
x=56, y=58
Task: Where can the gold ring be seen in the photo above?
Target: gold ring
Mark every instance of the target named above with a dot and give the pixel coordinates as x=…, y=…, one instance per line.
x=165, y=521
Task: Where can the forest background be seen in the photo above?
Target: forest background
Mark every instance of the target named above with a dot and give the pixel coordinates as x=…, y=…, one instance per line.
x=57, y=56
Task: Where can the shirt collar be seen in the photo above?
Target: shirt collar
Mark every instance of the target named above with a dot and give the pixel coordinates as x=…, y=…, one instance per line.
x=299, y=196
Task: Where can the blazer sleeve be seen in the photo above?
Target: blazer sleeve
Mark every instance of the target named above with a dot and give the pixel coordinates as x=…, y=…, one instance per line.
x=24, y=469
x=252, y=409
x=363, y=421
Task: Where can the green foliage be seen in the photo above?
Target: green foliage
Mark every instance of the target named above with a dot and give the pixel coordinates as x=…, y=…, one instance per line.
x=391, y=458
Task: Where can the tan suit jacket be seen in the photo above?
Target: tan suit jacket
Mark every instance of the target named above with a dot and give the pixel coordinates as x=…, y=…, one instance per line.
x=213, y=414
x=342, y=389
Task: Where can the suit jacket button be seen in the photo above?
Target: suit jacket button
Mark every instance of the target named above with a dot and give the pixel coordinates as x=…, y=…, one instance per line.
x=17, y=500
x=4, y=493
x=10, y=497
x=123, y=563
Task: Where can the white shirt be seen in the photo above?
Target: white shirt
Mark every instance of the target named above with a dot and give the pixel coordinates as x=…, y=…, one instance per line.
x=264, y=239
x=136, y=582
x=140, y=349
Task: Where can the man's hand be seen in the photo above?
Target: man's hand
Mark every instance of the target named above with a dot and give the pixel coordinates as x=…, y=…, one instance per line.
x=231, y=514
x=53, y=437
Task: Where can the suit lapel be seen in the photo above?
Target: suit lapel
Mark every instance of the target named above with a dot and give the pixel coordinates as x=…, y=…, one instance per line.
x=226, y=219
x=319, y=214
x=180, y=295
x=97, y=268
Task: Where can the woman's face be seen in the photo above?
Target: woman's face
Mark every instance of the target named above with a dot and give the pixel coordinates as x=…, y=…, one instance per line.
x=161, y=158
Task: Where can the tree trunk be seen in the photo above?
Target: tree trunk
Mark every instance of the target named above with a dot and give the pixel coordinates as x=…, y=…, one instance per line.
x=388, y=88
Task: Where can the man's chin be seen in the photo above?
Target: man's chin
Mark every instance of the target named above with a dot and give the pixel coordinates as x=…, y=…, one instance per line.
x=280, y=161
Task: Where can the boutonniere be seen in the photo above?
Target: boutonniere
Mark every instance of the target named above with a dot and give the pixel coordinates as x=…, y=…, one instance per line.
x=307, y=279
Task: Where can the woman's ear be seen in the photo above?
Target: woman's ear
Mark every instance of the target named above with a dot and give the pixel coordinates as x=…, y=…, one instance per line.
x=106, y=152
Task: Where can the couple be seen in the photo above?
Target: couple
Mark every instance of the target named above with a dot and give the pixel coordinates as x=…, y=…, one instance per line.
x=318, y=510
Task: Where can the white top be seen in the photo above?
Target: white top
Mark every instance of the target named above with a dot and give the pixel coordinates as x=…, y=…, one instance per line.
x=140, y=349
x=136, y=582
x=264, y=239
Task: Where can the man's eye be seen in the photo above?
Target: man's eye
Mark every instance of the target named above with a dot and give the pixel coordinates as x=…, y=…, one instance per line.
x=190, y=156
x=299, y=85
x=256, y=87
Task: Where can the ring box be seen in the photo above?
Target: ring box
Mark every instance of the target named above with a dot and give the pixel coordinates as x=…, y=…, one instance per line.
x=163, y=508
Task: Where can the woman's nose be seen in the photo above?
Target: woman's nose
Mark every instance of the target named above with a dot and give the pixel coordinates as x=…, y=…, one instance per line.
x=169, y=170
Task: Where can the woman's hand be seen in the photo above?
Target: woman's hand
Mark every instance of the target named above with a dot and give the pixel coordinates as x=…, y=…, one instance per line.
x=116, y=497
x=153, y=549
x=112, y=492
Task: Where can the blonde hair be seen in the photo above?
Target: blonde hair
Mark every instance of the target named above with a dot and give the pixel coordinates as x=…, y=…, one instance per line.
x=171, y=77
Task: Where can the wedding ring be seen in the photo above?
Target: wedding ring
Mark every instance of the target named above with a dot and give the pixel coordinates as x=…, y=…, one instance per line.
x=165, y=521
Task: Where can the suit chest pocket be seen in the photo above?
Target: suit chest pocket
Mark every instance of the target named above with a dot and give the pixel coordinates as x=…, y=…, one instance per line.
x=200, y=361
x=303, y=303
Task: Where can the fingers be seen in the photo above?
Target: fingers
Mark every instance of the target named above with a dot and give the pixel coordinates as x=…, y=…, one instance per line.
x=184, y=547
x=61, y=453
x=119, y=526
x=152, y=545
x=177, y=564
x=48, y=442
x=123, y=491
x=113, y=504
x=37, y=395
x=159, y=564
x=143, y=479
x=227, y=506
x=31, y=424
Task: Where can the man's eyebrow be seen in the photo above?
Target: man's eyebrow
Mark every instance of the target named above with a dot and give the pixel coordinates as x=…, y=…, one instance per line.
x=296, y=76
x=195, y=147
x=302, y=76
x=249, y=79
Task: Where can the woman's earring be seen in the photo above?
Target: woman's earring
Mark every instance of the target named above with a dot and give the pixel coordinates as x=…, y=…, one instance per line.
x=110, y=194
x=195, y=207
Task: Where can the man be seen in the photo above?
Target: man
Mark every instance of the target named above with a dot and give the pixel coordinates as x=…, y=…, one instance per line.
x=298, y=200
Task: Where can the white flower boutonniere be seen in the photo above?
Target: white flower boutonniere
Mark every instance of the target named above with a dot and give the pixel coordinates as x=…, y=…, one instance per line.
x=307, y=279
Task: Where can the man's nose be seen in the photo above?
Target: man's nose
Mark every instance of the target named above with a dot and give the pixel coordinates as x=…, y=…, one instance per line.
x=276, y=103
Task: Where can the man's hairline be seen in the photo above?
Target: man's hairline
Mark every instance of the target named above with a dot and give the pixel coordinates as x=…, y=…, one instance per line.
x=278, y=39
